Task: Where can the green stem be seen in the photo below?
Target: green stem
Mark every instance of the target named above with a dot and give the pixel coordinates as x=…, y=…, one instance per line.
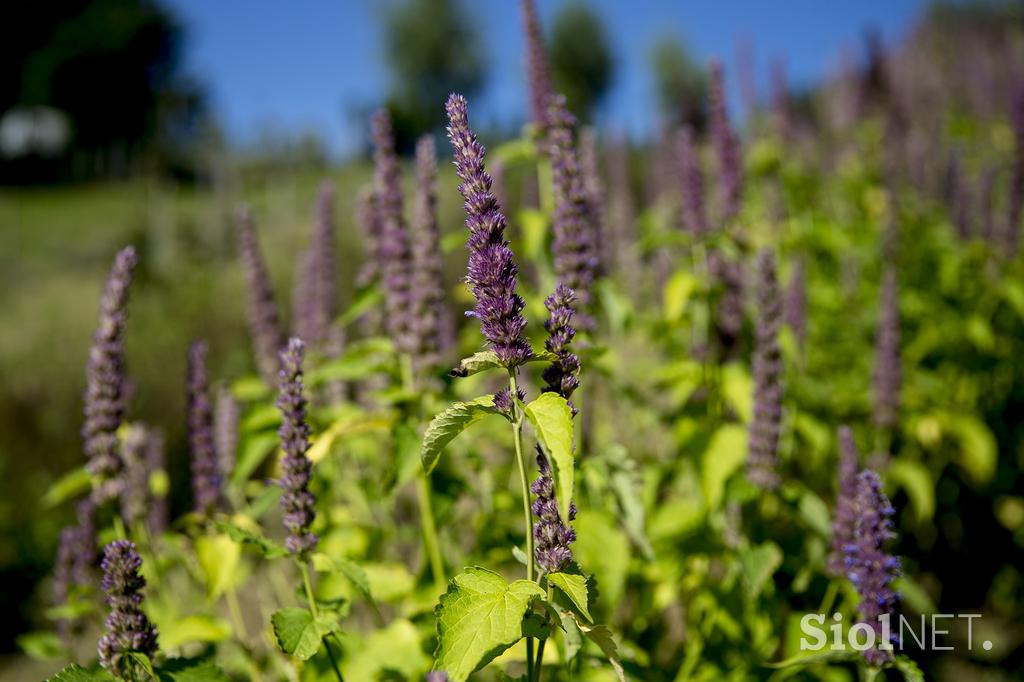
x=829, y=599
x=119, y=530
x=308, y=584
x=231, y=597
x=517, y=437
x=538, y=665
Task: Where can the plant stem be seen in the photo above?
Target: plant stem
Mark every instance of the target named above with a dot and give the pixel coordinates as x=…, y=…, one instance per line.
x=231, y=597
x=829, y=598
x=517, y=437
x=316, y=614
x=538, y=664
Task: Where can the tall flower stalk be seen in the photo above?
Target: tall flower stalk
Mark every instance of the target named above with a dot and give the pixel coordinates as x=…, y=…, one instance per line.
x=315, y=294
x=264, y=322
x=762, y=460
x=206, y=477
x=128, y=630
x=844, y=518
x=692, y=182
x=538, y=66
x=727, y=148
x=105, y=382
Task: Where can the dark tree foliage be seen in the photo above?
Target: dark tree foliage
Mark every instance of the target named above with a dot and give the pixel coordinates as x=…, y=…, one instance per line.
x=432, y=48
x=582, y=63
x=681, y=84
x=112, y=67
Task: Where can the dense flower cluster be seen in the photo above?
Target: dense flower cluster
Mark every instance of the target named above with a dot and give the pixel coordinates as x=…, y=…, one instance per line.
x=692, y=182
x=562, y=375
x=105, y=382
x=297, y=502
x=844, y=517
x=538, y=66
x=128, y=629
x=762, y=460
x=869, y=567
x=492, y=271
x=727, y=148
x=206, y=477
x=264, y=325
x=432, y=323
x=573, y=223
x=887, y=370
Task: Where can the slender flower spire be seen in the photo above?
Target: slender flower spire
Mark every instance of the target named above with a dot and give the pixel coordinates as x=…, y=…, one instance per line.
x=75, y=562
x=887, y=371
x=869, y=567
x=795, y=303
x=691, y=173
x=762, y=460
x=206, y=476
x=315, y=292
x=728, y=278
x=538, y=66
x=573, y=224
x=844, y=519
x=135, y=495
x=297, y=502
x=590, y=169
x=264, y=325
x=491, y=271
x=432, y=321
x=393, y=246
x=727, y=148
x=105, y=382
x=552, y=536
x=1016, y=200
x=226, y=415
x=128, y=628
x=368, y=221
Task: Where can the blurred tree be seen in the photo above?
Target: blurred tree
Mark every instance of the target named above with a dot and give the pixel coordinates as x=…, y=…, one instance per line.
x=581, y=58
x=432, y=49
x=111, y=66
x=682, y=85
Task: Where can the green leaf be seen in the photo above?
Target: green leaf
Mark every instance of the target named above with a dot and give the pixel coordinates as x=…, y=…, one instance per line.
x=828, y=656
x=815, y=514
x=218, y=557
x=533, y=226
x=478, y=618
x=446, y=426
x=71, y=484
x=255, y=449
x=724, y=456
x=360, y=360
x=475, y=363
x=139, y=663
x=76, y=673
x=267, y=547
x=678, y=290
x=190, y=670
x=551, y=418
x=913, y=595
x=978, y=452
x=299, y=634
x=738, y=387
x=759, y=564
x=364, y=300
x=914, y=477
x=176, y=632
x=909, y=669
x=601, y=635
x=391, y=653
x=346, y=567
x=573, y=586
x=42, y=646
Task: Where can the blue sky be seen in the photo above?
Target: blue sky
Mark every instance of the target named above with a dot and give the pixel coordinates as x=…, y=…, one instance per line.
x=299, y=65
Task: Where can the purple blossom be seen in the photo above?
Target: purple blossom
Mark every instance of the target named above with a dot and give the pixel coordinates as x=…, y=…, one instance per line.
x=432, y=321
x=503, y=400
x=573, y=223
x=691, y=173
x=75, y=561
x=315, y=292
x=795, y=303
x=135, y=495
x=264, y=325
x=844, y=518
x=128, y=628
x=762, y=460
x=727, y=148
x=206, y=476
x=297, y=502
x=226, y=415
x=369, y=225
x=393, y=247
x=105, y=382
x=728, y=278
x=491, y=271
x=538, y=66
x=887, y=370
x=562, y=375
x=868, y=566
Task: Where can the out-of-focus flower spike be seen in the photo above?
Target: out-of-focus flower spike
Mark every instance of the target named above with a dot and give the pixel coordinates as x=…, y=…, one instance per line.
x=264, y=324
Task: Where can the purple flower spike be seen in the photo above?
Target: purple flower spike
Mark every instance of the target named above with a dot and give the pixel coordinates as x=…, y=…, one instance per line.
x=76, y=561
x=695, y=218
x=105, y=382
x=762, y=460
x=393, y=246
x=538, y=66
x=315, y=291
x=128, y=628
x=887, y=371
x=432, y=322
x=844, y=518
x=264, y=325
x=728, y=277
x=551, y=536
x=868, y=566
x=727, y=148
x=573, y=223
x=795, y=303
x=135, y=495
x=206, y=476
x=491, y=272
x=226, y=416
x=562, y=375
x=297, y=502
